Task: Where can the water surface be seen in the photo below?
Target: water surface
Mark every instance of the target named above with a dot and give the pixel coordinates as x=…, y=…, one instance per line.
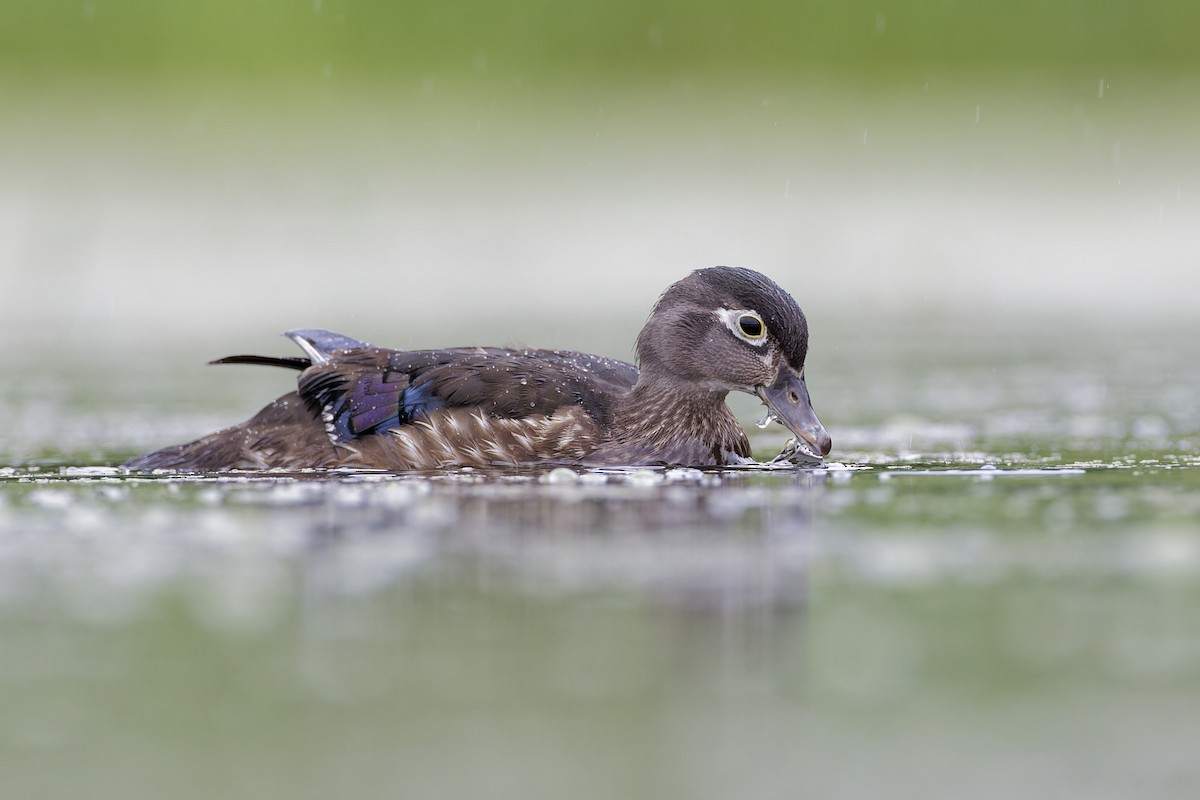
x=991, y=589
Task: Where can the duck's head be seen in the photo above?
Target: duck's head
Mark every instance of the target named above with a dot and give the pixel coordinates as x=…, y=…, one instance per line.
x=728, y=329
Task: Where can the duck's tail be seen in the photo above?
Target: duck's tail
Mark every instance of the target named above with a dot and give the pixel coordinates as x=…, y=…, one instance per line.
x=318, y=343
x=284, y=435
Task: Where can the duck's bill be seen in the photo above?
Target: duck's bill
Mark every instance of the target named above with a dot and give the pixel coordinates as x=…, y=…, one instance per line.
x=787, y=399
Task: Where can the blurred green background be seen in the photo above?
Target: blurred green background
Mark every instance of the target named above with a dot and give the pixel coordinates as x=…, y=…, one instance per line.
x=298, y=42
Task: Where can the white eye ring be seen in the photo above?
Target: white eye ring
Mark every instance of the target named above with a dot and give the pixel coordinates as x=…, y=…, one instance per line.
x=742, y=324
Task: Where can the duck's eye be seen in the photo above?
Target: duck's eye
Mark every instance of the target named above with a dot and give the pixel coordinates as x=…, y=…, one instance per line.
x=751, y=326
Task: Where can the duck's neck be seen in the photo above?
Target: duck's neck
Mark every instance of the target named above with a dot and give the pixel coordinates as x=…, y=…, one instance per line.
x=677, y=423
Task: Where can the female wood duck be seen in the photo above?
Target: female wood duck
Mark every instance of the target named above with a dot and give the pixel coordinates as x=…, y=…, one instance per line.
x=718, y=330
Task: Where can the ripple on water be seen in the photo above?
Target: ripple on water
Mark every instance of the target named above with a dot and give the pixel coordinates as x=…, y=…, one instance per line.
x=986, y=472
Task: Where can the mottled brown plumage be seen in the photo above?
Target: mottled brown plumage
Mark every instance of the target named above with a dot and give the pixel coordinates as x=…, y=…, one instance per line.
x=718, y=330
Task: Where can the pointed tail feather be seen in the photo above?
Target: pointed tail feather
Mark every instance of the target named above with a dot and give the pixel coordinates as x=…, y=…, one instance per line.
x=316, y=342
x=288, y=362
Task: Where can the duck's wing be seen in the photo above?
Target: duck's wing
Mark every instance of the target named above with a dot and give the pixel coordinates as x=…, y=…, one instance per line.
x=515, y=384
x=359, y=390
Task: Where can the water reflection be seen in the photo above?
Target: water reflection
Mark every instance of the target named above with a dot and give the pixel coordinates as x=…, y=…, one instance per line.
x=684, y=538
x=694, y=629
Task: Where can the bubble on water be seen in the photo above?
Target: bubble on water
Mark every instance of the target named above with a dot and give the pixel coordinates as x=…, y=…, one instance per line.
x=644, y=477
x=684, y=475
x=560, y=475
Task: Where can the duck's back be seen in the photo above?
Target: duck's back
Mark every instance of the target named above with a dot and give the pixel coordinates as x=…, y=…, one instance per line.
x=370, y=407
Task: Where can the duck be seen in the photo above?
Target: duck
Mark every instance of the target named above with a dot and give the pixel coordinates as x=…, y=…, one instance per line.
x=357, y=406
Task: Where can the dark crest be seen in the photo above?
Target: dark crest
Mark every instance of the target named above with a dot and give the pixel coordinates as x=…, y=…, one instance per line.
x=738, y=287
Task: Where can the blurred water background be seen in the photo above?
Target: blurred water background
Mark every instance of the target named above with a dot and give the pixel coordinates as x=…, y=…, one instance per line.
x=990, y=213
